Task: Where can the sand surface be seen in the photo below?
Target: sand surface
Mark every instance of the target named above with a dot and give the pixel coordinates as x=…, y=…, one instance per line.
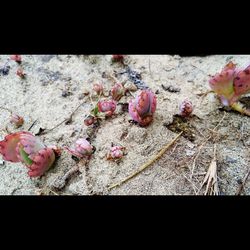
x=40, y=98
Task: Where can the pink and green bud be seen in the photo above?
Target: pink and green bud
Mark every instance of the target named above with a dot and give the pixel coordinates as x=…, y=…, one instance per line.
x=107, y=106
x=28, y=149
x=98, y=88
x=81, y=149
x=142, y=108
x=117, y=91
x=231, y=84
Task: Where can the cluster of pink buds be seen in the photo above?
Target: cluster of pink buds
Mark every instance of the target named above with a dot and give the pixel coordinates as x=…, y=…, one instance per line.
x=142, y=108
x=28, y=149
x=186, y=108
x=117, y=91
x=230, y=84
x=16, y=58
x=115, y=153
x=98, y=88
x=107, y=107
x=16, y=120
x=81, y=149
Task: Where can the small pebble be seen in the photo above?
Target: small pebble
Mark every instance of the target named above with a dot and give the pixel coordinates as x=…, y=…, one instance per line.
x=190, y=152
x=171, y=88
x=230, y=159
x=85, y=92
x=80, y=96
x=5, y=70
x=239, y=181
x=65, y=93
x=130, y=86
x=46, y=58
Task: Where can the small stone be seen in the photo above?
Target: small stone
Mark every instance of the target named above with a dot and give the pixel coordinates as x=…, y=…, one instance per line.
x=247, y=142
x=130, y=86
x=229, y=58
x=230, y=159
x=5, y=70
x=177, y=57
x=190, y=145
x=81, y=96
x=47, y=58
x=79, y=188
x=190, y=152
x=66, y=78
x=2, y=162
x=85, y=92
x=44, y=82
x=239, y=181
x=66, y=93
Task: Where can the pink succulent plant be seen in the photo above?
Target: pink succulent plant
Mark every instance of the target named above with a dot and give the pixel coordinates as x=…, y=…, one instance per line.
x=116, y=152
x=98, y=88
x=89, y=120
x=16, y=58
x=117, y=58
x=117, y=91
x=16, y=120
x=142, y=108
x=231, y=84
x=81, y=149
x=186, y=108
x=20, y=73
x=107, y=106
x=28, y=149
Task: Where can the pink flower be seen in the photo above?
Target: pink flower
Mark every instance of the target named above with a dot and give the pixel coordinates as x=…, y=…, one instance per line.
x=142, y=108
x=107, y=106
x=81, y=149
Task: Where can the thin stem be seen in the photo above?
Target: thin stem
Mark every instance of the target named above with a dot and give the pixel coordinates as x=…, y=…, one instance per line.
x=65, y=120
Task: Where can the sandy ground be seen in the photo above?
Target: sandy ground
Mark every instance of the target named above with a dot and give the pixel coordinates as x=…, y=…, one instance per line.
x=177, y=172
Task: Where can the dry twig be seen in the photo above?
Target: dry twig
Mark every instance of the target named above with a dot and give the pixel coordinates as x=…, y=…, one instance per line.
x=67, y=121
x=211, y=177
x=204, y=143
x=147, y=164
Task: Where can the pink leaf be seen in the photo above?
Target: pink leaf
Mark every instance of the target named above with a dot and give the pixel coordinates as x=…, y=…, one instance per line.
x=242, y=82
x=143, y=107
x=42, y=161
